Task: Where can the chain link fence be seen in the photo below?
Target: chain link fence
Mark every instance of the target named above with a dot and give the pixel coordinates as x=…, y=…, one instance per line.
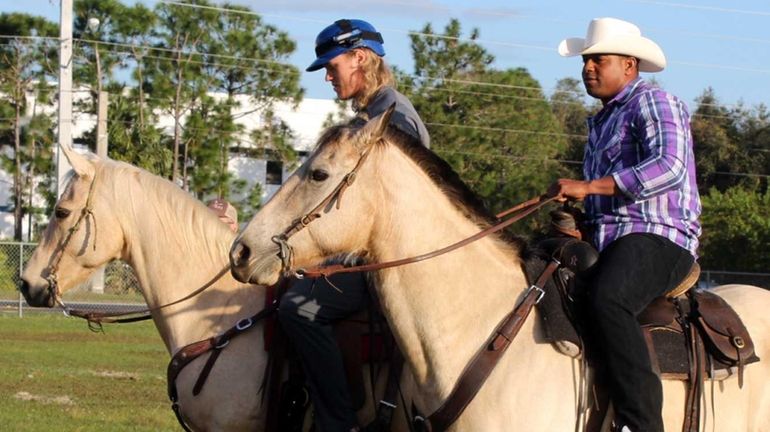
x=114, y=290
x=118, y=290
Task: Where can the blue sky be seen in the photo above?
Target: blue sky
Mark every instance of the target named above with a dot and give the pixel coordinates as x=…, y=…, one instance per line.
x=725, y=45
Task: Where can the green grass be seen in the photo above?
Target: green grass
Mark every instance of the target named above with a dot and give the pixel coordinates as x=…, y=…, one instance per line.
x=56, y=375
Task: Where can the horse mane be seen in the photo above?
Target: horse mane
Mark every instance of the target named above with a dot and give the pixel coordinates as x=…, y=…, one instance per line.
x=182, y=218
x=442, y=175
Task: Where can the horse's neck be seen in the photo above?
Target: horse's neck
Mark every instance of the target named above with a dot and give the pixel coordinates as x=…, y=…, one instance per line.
x=172, y=261
x=444, y=308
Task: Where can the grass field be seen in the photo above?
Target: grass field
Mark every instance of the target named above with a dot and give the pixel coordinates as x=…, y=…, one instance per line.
x=56, y=375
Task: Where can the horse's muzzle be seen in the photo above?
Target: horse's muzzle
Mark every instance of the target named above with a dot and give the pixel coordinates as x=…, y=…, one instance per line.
x=36, y=296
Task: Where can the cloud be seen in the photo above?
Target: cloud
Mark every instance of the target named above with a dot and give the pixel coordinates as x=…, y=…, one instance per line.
x=500, y=13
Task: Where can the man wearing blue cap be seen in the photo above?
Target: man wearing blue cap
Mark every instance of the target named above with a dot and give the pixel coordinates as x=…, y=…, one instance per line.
x=351, y=52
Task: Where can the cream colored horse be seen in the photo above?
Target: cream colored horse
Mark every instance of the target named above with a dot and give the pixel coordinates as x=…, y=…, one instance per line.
x=176, y=245
x=406, y=202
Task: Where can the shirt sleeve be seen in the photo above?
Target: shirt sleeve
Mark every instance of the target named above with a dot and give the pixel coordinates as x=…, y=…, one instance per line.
x=663, y=127
x=404, y=118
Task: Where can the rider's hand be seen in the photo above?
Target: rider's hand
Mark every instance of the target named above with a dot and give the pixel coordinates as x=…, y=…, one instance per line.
x=568, y=189
x=577, y=190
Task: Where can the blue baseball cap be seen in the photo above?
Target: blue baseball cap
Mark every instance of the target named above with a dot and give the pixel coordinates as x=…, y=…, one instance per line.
x=343, y=36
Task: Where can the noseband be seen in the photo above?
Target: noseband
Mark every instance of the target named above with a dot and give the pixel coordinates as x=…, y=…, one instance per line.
x=52, y=278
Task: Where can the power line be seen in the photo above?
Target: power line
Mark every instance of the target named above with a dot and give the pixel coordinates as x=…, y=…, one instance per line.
x=506, y=130
x=293, y=70
x=56, y=39
x=437, y=36
x=720, y=66
x=186, y=53
x=700, y=7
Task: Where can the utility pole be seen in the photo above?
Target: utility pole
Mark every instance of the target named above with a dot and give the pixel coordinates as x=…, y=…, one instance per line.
x=65, y=93
x=101, y=124
x=97, y=280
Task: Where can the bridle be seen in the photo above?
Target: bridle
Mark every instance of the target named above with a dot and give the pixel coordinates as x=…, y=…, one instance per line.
x=96, y=318
x=52, y=278
x=286, y=252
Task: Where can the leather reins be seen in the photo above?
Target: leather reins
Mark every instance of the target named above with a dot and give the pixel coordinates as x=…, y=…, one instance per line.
x=526, y=208
x=96, y=319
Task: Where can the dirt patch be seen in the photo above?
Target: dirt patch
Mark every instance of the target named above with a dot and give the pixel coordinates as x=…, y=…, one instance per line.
x=56, y=400
x=117, y=375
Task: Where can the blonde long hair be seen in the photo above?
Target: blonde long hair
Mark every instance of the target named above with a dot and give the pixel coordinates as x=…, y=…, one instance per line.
x=377, y=74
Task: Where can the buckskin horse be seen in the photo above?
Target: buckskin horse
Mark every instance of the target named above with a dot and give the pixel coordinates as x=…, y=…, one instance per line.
x=386, y=198
x=176, y=246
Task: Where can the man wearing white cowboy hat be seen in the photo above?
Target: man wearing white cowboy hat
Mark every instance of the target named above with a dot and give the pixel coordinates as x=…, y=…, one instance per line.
x=641, y=203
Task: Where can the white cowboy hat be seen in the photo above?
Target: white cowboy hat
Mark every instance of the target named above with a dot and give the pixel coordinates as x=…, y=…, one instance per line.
x=614, y=36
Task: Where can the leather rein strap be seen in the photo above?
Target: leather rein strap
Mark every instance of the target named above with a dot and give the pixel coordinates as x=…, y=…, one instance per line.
x=478, y=369
x=96, y=319
x=525, y=208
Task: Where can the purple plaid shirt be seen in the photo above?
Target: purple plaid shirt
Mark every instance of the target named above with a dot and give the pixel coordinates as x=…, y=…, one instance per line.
x=642, y=139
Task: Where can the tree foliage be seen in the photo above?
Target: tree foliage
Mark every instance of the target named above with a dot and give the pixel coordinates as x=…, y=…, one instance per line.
x=724, y=144
x=26, y=63
x=495, y=127
x=736, y=230
x=568, y=105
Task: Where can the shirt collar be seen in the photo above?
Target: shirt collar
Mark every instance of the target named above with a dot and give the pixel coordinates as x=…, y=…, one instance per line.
x=620, y=99
x=624, y=95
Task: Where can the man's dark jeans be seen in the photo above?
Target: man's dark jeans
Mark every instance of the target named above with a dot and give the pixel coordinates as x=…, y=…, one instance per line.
x=631, y=272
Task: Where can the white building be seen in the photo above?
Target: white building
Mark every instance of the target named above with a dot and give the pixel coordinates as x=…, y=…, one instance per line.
x=305, y=120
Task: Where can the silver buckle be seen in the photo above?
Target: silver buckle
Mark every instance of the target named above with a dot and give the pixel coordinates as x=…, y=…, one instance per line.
x=244, y=324
x=539, y=296
x=388, y=404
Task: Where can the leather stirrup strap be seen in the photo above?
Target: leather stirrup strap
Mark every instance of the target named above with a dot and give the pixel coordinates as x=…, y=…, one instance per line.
x=478, y=369
x=388, y=403
x=695, y=383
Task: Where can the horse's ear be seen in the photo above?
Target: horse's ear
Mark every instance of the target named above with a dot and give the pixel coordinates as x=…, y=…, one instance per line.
x=375, y=128
x=82, y=166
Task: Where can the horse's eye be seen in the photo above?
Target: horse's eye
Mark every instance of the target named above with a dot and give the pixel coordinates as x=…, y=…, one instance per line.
x=319, y=175
x=61, y=213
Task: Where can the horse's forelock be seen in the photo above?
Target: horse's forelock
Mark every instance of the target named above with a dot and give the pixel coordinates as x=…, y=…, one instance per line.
x=332, y=135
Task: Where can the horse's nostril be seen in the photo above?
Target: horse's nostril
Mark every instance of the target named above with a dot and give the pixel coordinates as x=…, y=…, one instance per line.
x=240, y=254
x=24, y=288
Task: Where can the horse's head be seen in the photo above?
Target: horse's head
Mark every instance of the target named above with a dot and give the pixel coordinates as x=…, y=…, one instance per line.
x=82, y=235
x=323, y=210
